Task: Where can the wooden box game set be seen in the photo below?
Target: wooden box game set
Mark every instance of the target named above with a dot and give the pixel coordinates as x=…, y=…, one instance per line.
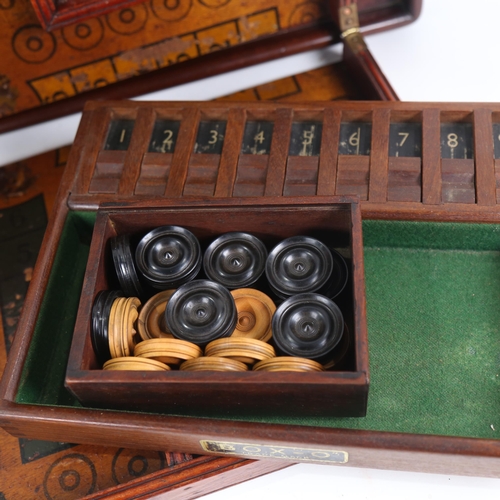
x=406, y=193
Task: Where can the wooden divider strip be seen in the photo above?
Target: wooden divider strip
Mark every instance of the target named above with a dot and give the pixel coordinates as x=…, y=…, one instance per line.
x=327, y=170
x=276, y=170
x=94, y=124
x=379, y=158
x=139, y=143
x=183, y=150
x=230, y=152
x=484, y=154
x=431, y=157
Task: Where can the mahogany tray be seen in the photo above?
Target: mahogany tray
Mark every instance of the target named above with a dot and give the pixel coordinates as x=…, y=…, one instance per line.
x=340, y=392
x=426, y=175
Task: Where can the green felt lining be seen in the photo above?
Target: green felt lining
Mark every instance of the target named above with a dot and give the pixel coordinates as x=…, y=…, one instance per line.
x=433, y=293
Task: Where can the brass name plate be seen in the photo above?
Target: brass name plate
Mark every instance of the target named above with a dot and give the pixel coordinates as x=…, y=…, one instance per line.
x=264, y=451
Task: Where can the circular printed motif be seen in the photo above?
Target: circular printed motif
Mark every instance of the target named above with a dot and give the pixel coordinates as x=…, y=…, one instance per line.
x=214, y=4
x=84, y=35
x=33, y=45
x=307, y=12
x=6, y=4
x=131, y=464
x=128, y=21
x=171, y=10
x=73, y=473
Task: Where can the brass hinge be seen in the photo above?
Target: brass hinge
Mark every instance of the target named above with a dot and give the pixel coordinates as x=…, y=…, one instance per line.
x=349, y=28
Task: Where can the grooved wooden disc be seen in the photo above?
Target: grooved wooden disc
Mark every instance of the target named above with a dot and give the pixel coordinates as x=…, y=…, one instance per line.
x=213, y=363
x=135, y=364
x=289, y=364
x=129, y=331
x=168, y=351
x=255, y=312
x=121, y=330
x=246, y=350
x=151, y=323
x=112, y=336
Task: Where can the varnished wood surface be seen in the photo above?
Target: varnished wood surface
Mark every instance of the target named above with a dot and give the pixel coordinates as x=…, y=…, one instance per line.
x=425, y=187
x=32, y=468
x=365, y=448
x=151, y=45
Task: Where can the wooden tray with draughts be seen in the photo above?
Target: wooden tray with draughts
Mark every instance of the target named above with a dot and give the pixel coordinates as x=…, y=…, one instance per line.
x=425, y=175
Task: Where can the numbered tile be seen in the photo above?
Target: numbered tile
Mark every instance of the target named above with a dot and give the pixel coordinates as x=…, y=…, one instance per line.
x=405, y=139
x=305, y=139
x=119, y=134
x=164, y=136
x=257, y=138
x=355, y=138
x=210, y=137
x=456, y=141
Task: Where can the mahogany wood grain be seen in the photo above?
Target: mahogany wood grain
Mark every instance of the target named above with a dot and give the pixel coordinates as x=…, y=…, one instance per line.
x=327, y=173
x=379, y=161
x=484, y=152
x=429, y=179
x=139, y=142
x=230, y=153
x=431, y=157
x=353, y=174
x=458, y=181
x=251, y=175
x=180, y=160
x=381, y=450
x=90, y=148
x=155, y=170
x=301, y=176
x=276, y=169
x=404, y=179
x=368, y=75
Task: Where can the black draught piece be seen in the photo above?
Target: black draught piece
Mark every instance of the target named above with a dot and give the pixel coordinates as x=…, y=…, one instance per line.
x=201, y=311
x=100, y=322
x=123, y=260
x=235, y=260
x=307, y=325
x=299, y=264
x=338, y=278
x=168, y=257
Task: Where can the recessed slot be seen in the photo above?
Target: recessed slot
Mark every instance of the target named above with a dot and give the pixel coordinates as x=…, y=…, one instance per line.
x=164, y=136
x=257, y=137
x=457, y=141
x=119, y=135
x=355, y=138
x=405, y=139
x=210, y=137
x=305, y=138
